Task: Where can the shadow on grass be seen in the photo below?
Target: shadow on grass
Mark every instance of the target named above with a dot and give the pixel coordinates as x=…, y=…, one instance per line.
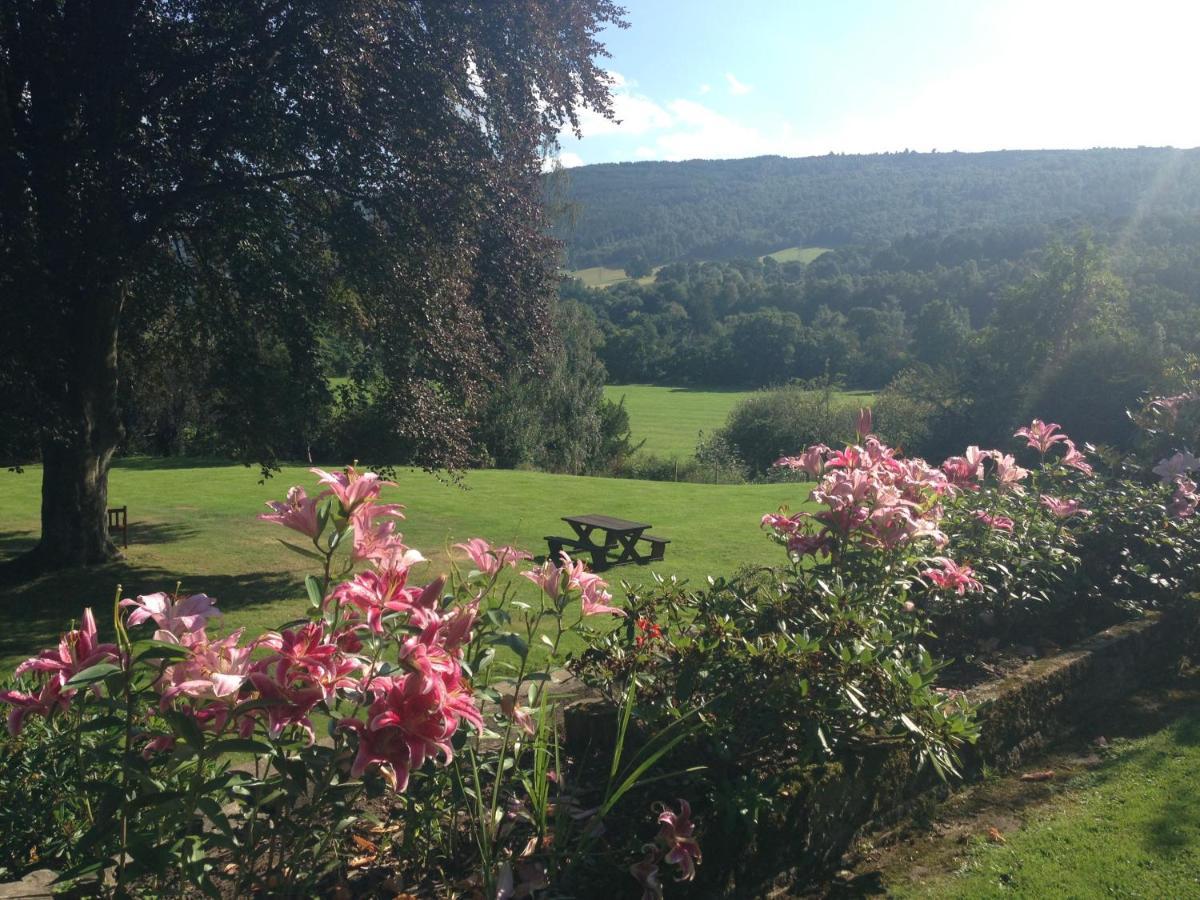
x=160, y=463
x=1172, y=830
x=14, y=543
x=156, y=533
x=34, y=614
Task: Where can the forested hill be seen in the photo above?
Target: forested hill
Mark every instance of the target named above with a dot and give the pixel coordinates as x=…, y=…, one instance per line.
x=658, y=212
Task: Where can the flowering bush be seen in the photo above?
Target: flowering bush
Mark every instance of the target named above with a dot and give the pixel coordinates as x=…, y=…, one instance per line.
x=985, y=547
x=893, y=561
x=239, y=765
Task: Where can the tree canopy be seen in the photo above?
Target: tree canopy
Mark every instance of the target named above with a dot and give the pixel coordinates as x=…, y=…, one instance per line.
x=197, y=193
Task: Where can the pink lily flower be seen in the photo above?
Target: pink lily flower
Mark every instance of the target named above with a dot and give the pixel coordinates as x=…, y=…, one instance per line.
x=677, y=835
x=298, y=512
x=646, y=873
x=1063, y=509
x=376, y=540
x=803, y=544
x=596, y=599
x=781, y=523
x=45, y=702
x=520, y=716
x=1075, y=459
x=862, y=422
x=377, y=592
x=215, y=670
x=962, y=473
x=77, y=650
x=951, y=576
x=1175, y=466
x=1040, y=435
x=999, y=523
x=1008, y=473
x=170, y=614
x=811, y=461
x=489, y=560
x=1185, y=501
x=350, y=487
x=407, y=724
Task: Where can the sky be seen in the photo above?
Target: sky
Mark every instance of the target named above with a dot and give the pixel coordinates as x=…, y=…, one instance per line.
x=720, y=79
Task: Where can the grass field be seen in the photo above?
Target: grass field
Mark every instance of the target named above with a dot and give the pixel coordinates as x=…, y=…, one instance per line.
x=796, y=254
x=604, y=277
x=194, y=522
x=1129, y=828
x=670, y=419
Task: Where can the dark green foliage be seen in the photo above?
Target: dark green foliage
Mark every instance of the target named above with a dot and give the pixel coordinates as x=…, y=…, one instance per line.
x=979, y=202
x=555, y=417
x=779, y=423
x=795, y=674
x=197, y=195
x=1096, y=383
x=43, y=815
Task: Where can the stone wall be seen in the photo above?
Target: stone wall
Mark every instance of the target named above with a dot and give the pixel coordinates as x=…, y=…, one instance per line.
x=1020, y=714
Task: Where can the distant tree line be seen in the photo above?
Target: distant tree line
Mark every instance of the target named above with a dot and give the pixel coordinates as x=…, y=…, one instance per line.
x=966, y=345
x=632, y=215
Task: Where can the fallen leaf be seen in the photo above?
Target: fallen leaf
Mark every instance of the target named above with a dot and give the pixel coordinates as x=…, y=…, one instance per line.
x=359, y=862
x=1038, y=776
x=995, y=836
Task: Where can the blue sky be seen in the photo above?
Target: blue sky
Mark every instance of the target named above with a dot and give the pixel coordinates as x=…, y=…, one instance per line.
x=711, y=79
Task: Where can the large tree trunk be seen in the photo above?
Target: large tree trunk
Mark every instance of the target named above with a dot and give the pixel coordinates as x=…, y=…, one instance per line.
x=74, y=506
x=78, y=450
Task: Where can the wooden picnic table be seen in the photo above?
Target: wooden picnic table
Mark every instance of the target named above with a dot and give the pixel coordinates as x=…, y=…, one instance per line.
x=620, y=536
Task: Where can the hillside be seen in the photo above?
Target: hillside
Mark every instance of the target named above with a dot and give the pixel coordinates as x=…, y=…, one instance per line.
x=659, y=212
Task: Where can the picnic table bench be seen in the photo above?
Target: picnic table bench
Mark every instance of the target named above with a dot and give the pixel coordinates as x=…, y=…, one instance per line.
x=621, y=537
x=118, y=520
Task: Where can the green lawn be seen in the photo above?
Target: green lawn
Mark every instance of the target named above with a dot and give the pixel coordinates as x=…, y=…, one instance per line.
x=1129, y=828
x=670, y=419
x=797, y=254
x=194, y=522
x=604, y=277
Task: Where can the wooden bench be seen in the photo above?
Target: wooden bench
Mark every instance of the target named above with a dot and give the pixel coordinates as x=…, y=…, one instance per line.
x=557, y=544
x=118, y=520
x=658, y=545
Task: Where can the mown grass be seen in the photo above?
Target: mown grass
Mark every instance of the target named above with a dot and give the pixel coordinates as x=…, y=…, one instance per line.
x=670, y=419
x=797, y=254
x=193, y=521
x=605, y=277
x=1129, y=828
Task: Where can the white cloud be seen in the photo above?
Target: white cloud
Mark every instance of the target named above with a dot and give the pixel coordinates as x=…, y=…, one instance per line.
x=1074, y=73
x=736, y=87
x=570, y=160
x=634, y=113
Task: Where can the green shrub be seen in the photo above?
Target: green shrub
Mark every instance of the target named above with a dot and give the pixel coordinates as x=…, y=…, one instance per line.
x=773, y=423
x=793, y=673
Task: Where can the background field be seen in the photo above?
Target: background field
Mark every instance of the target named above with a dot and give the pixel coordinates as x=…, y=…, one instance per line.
x=797, y=254
x=670, y=419
x=193, y=521
x=605, y=276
